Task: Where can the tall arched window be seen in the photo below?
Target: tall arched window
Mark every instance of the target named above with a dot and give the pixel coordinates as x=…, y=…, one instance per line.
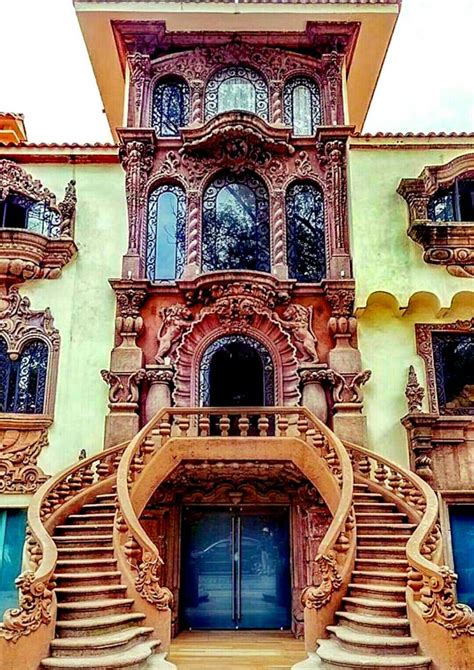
x=23, y=381
x=236, y=230
x=305, y=232
x=302, y=105
x=170, y=107
x=236, y=88
x=166, y=233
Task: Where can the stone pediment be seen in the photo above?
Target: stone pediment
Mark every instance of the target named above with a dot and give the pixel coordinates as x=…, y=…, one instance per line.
x=239, y=137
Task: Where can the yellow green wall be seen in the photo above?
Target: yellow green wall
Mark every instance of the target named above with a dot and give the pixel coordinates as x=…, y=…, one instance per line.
x=83, y=306
x=395, y=288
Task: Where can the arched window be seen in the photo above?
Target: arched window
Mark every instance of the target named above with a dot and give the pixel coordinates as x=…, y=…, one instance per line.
x=236, y=230
x=305, y=232
x=302, y=105
x=23, y=381
x=236, y=88
x=20, y=212
x=170, y=107
x=455, y=203
x=166, y=232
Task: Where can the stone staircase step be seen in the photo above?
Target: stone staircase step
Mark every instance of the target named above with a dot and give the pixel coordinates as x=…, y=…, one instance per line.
x=109, y=498
x=80, y=541
x=85, y=529
x=88, y=578
x=86, y=564
x=83, y=609
x=379, y=577
x=92, y=518
x=93, y=508
x=375, y=507
x=391, y=608
x=380, y=551
x=361, y=496
x=97, y=625
x=370, y=623
x=88, y=592
x=131, y=659
x=91, y=553
x=380, y=517
x=369, y=643
x=334, y=656
x=383, y=591
x=393, y=538
x=377, y=529
x=99, y=644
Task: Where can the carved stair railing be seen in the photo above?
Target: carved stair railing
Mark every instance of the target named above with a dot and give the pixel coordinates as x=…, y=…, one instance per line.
x=30, y=626
x=436, y=617
x=285, y=433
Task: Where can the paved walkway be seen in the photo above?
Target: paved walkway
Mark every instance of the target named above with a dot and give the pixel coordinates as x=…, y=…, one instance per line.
x=239, y=650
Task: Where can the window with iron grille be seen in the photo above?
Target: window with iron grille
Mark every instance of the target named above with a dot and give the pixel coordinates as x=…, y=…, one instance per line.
x=236, y=224
x=170, y=107
x=302, y=105
x=305, y=232
x=237, y=88
x=455, y=203
x=20, y=212
x=166, y=233
x=23, y=380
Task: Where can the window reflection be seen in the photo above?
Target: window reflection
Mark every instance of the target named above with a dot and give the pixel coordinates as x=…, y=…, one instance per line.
x=166, y=233
x=302, y=105
x=236, y=88
x=306, y=235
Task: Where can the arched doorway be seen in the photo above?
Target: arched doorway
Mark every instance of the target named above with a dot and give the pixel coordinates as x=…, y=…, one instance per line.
x=236, y=371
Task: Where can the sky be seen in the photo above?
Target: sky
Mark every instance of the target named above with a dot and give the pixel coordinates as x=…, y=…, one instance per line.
x=426, y=83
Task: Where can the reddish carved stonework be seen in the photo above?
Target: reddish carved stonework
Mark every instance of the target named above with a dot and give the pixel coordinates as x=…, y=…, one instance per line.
x=22, y=438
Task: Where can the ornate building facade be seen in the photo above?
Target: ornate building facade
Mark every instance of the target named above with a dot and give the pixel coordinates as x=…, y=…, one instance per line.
x=246, y=400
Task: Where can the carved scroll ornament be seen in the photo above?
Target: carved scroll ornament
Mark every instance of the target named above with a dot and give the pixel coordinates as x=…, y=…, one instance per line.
x=440, y=606
x=147, y=583
x=315, y=597
x=345, y=388
x=21, y=442
x=34, y=609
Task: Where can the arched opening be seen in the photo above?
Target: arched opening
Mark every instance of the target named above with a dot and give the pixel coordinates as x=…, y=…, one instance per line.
x=236, y=371
x=170, y=107
x=302, y=105
x=166, y=233
x=236, y=226
x=236, y=88
x=23, y=380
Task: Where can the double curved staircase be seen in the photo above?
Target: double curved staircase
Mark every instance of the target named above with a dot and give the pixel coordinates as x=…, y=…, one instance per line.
x=93, y=596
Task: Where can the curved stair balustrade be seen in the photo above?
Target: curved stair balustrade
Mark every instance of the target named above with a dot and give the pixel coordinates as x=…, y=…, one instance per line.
x=283, y=433
x=36, y=614
x=444, y=627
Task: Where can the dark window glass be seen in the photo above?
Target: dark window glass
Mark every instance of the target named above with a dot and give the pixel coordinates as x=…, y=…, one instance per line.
x=12, y=539
x=302, y=105
x=462, y=534
x=306, y=238
x=455, y=203
x=236, y=231
x=18, y=211
x=170, y=107
x=237, y=88
x=23, y=381
x=166, y=233
x=454, y=368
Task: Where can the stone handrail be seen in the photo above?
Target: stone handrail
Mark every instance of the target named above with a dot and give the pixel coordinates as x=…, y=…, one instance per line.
x=432, y=584
x=266, y=422
x=36, y=584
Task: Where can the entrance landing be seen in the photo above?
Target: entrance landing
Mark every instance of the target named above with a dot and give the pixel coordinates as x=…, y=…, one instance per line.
x=236, y=650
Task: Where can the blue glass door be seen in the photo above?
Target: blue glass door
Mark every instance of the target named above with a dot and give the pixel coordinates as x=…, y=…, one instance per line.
x=462, y=534
x=12, y=539
x=235, y=569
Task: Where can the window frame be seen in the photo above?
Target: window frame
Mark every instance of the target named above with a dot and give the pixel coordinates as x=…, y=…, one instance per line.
x=169, y=80
x=211, y=91
x=315, y=101
x=152, y=231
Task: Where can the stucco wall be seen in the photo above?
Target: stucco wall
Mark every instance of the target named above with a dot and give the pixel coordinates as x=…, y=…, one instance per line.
x=83, y=306
x=395, y=288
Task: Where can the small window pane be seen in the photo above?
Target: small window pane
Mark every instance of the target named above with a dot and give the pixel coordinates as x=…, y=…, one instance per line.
x=236, y=93
x=466, y=199
x=170, y=107
x=302, y=105
x=23, y=381
x=166, y=233
x=441, y=206
x=12, y=539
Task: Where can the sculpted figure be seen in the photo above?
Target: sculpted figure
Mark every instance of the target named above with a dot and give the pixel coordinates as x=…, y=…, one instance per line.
x=296, y=321
x=175, y=320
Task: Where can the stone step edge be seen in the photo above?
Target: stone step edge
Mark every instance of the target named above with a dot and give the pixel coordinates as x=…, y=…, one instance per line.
x=139, y=652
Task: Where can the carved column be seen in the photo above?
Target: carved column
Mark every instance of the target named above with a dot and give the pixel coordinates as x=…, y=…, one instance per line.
x=332, y=68
x=139, y=70
x=279, y=260
x=136, y=154
x=126, y=365
x=160, y=378
x=197, y=97
x=193, y=242
x=313, y=395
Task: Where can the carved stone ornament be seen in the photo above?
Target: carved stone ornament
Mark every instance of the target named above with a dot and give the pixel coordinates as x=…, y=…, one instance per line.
x=139, y=65
x=315, y=597
x=123, y=388
x=34, y=609
x=440, y=606
x=296, y=320
x=22, y=438
x=414, y=392
x=136, y=153
x=26, y=254
x=147, y=583
x=129, y=323
x=175, y=321
x=345, y=388
x=444, y=243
